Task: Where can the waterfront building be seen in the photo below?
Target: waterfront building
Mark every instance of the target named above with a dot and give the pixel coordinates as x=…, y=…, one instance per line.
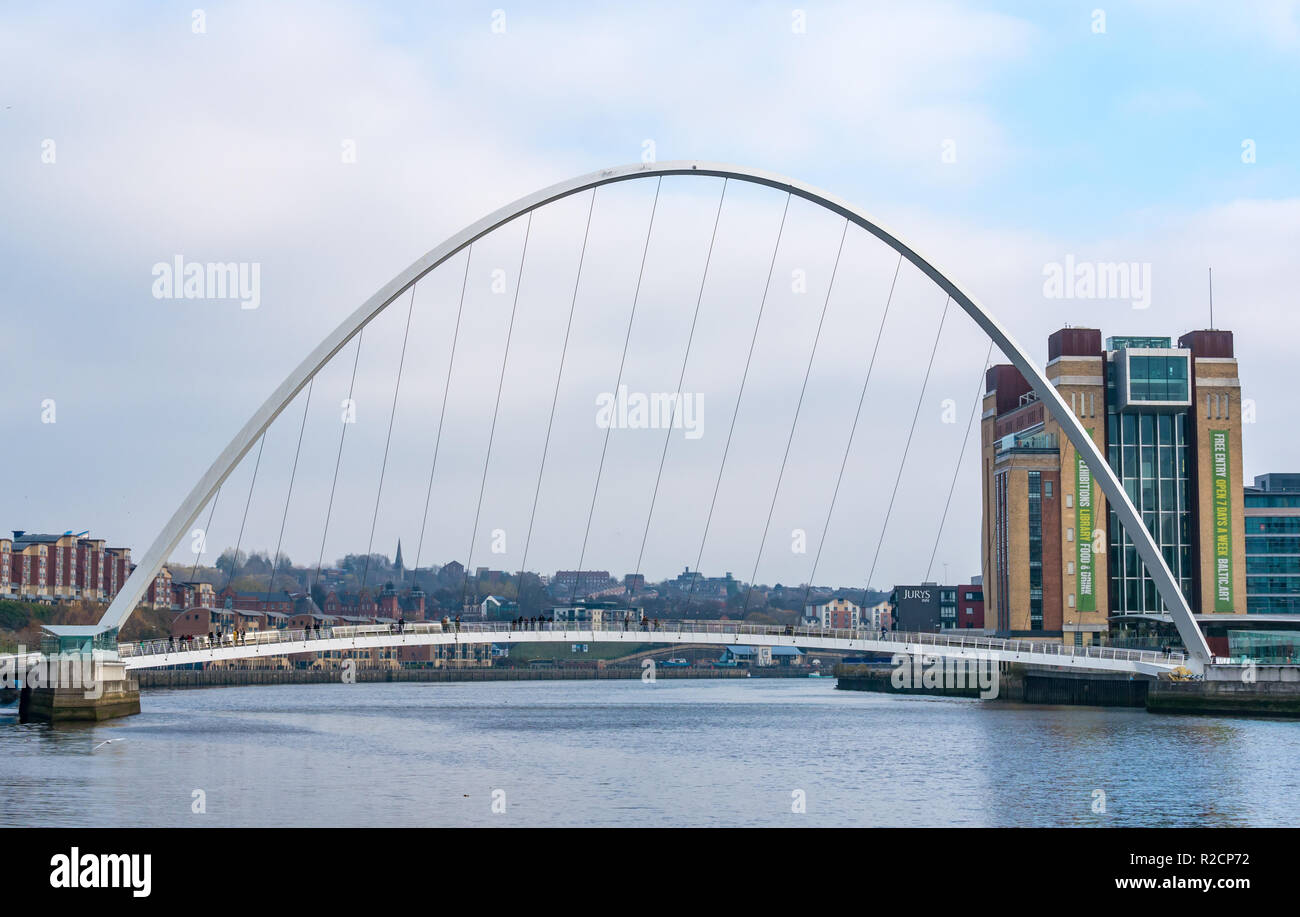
x=585, y=615
x=495, y=606
x=160, y=593
x=836, y=612
x=924, y=608
x=199, y=622
x=1272, y=521
x=743, y=655
x=877, y=616
x=362, y=604
x=192, y=594
x=407, y=605
x=278, y=600
x=970, y=605
x=61, y=568
x=1057, y=565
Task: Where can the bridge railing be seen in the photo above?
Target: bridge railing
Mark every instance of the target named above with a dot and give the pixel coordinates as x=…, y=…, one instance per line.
x=738, y=630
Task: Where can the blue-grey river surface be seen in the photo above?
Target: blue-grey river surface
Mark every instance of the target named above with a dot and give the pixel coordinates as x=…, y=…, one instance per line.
x=683, y=752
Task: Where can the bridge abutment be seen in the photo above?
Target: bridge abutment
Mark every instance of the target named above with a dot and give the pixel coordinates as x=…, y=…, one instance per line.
x=112, y=693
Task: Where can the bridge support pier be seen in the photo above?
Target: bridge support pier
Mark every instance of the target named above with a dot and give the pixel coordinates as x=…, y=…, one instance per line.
x=113, y=694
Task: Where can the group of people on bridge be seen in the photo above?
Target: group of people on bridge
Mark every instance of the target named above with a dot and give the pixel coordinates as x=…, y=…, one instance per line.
x=213, y=639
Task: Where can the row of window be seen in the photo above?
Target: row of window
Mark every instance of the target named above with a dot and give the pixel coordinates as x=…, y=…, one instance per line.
x=1273, y=585
x=1273, y=604
x=1036, y=550
x=1273, y=525
x=1281, y=544
x=1278, y=500
x=1271, y=563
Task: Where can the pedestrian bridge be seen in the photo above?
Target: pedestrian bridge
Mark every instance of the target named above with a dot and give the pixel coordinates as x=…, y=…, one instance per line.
x=269, y=643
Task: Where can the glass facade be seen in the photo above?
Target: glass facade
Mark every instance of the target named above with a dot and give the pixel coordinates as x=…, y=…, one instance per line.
x=1158, y=377
x=1123, y=342
x=1148, y=451
x=1272, y=553
x=1265, y=647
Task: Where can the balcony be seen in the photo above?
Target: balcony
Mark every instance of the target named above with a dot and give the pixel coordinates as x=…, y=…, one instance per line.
x=1039, y=442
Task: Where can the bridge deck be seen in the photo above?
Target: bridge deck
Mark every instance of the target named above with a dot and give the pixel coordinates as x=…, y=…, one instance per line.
x=160, y=653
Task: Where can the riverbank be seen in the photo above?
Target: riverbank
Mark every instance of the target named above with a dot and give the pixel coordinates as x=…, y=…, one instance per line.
x=1230, y=691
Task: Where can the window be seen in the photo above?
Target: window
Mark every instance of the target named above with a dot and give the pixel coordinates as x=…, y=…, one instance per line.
x=1035, y=485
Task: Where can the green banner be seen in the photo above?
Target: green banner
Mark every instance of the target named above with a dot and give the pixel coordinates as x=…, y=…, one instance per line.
x=1083, y=516
x=1221, y=480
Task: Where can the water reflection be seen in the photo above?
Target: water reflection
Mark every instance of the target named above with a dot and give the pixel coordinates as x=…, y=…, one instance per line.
x=625, y=753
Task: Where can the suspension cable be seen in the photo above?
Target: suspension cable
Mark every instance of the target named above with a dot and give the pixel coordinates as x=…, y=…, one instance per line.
x=442, y=414
x=758, y=321
x=329, y=509
x=908, y=445
x=848, y=446
x=275, y=561
x=970, y=422
x=212, y=509
x=681, y=378
x=627, y=340
x=555, y=397
x=487, y=458
x=392, y=414
x=234, y=561
x=812, y=356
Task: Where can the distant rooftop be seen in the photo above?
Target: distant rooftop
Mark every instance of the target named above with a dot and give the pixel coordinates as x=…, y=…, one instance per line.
x=1275, y=482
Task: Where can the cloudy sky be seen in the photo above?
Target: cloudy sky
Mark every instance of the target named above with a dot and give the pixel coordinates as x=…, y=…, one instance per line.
x=332, y=144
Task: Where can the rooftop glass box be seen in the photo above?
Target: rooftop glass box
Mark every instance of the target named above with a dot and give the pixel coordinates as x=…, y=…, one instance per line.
x=1153, y=378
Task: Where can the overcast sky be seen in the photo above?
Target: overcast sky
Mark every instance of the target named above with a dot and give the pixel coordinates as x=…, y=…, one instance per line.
x=1000, y=138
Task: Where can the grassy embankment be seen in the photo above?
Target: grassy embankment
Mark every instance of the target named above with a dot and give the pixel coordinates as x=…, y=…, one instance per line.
x=20, y=622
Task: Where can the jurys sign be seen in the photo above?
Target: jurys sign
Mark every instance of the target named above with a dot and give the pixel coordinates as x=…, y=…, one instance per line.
x=1083, y=516
x=1221, y=482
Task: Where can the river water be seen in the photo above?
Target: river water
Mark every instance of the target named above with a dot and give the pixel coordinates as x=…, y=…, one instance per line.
x=698, y=752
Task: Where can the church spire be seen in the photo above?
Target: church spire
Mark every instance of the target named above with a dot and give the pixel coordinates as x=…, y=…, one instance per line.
x=398, y=562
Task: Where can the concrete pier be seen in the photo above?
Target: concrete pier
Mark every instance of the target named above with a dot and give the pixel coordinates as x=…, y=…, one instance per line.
x=113, y=694
x=1227, y=690
x=1237, y=690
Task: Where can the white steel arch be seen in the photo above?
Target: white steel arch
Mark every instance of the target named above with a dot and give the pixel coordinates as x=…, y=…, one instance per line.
x=138, y=582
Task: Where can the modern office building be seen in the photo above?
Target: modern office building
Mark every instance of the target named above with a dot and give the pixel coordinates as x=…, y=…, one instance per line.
x=1057, y=564
x=923, y=608
x=1272, y=522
